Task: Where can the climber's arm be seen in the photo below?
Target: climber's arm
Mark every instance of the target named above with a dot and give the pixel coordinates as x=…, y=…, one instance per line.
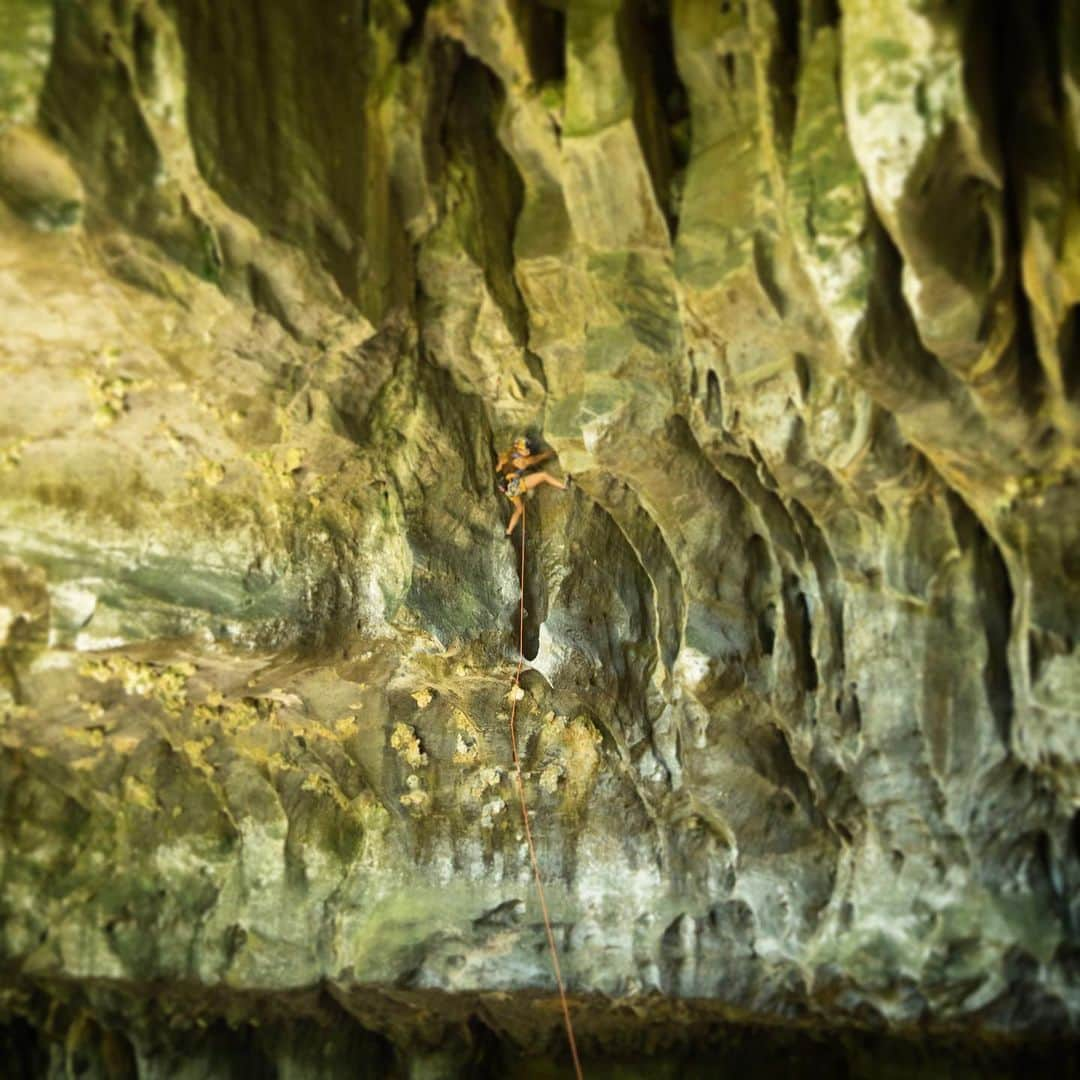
x=535, y=459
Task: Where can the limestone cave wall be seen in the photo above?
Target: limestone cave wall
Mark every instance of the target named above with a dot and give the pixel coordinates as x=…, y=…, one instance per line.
x=791, y=288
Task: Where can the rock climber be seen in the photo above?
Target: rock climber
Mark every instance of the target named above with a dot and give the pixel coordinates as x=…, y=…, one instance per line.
x=515, y=481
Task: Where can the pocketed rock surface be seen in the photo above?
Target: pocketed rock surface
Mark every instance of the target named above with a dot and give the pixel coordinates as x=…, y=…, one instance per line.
x=791, y=290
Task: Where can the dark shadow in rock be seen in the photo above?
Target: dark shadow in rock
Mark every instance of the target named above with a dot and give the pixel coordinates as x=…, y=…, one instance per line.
x=413, y=34
x=661, y=106
x=534, y=589
x=784, y=70
x=543, y=30
x=800, y=633
x=762, y=591
x=491, y=183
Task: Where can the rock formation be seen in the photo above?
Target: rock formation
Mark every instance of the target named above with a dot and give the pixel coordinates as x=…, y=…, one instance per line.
x=790, y=286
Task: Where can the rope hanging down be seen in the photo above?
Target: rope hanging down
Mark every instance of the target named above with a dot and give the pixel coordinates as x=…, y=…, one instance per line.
x=525, y=813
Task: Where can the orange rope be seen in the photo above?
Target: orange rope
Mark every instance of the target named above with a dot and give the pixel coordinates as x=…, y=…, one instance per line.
x=525, y=813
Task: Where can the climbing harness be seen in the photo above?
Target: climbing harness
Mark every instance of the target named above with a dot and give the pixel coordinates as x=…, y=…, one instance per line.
x=515, y=693
x=514, y=485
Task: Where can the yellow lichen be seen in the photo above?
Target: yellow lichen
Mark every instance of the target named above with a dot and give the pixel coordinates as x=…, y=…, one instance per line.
x=93, y=736
x=165, y=684
x=323, y=785
x=277, y=465
x=346, y=726
x=467, y=747
x=210, y=473
x=570, y=752
x=109, y=394
x=11, y=454
x=139, y=793
x=550, y=777
x=204, y=715
x=237, y=716
x=416, y=798
x=193, y=750
x=404, y=740
x=478, y=784
x=465, y=753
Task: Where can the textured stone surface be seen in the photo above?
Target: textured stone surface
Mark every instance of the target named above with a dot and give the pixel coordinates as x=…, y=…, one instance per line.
x=791, y=289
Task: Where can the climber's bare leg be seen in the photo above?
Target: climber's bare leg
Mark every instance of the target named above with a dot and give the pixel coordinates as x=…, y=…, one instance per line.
x=519, y=508
x=538, y=478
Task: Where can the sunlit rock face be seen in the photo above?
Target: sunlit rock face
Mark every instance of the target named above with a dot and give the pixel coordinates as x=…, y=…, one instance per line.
x=791, y=288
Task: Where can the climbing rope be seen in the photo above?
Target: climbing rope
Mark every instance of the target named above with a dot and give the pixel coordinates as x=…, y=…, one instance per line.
x=514, y=694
